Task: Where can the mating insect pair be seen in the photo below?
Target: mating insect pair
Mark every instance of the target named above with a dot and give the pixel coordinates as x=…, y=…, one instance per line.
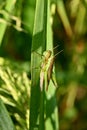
x=46, y=72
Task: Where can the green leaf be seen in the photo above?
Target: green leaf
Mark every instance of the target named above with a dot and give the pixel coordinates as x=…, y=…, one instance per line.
x=8, y=7
x=42, y=40
x=5, y=120
x=38, y=45
x=64, y=18
x=51, y=103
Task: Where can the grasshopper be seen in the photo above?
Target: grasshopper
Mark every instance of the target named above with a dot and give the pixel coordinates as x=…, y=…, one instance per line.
x=46, y=73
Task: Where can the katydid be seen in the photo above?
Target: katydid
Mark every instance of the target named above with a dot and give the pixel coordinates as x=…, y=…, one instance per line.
x=46, y=73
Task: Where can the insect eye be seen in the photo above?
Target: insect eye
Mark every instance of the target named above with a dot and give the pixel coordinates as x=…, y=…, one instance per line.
x=44, y=54
x=47, y=54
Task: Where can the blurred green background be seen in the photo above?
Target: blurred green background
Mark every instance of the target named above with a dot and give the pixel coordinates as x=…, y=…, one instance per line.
x=69, y=26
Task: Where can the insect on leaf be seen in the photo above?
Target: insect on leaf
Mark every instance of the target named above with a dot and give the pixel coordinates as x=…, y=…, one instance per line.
x=46, y=73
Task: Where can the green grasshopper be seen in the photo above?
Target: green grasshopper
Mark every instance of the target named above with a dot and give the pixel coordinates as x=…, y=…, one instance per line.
x=46, y=73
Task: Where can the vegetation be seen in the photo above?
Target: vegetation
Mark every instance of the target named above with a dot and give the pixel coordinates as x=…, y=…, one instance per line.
x=27, y=29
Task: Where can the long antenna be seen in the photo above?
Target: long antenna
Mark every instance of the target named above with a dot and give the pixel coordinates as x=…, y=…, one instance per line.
x=55, y=47
x=57, y=53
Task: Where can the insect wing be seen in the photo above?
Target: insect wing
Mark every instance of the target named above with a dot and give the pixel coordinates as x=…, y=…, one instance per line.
x=49, y=72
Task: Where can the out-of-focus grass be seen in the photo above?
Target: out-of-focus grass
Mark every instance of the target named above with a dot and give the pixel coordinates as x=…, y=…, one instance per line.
x=15, y=91
x=5, y=120
x=72, y=63
x=7, y=5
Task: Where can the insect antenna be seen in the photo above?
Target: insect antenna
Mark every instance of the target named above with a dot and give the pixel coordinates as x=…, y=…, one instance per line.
x=55, y=47
x=57, y=53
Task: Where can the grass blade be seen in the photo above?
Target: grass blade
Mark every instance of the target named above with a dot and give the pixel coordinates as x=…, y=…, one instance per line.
x=5, y=120
x=51, y=103
x=38, y=45
x=8, y=7
x=65, y=21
